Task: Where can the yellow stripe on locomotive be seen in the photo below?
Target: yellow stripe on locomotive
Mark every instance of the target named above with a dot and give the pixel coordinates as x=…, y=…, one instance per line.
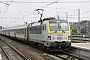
x=62, y=34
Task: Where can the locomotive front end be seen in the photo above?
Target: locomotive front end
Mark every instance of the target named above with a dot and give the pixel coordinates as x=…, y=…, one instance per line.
x=59, y=34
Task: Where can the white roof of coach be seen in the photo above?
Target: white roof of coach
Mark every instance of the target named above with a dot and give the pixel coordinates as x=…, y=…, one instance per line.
x=21, y=26
x=6, y=28
x=12, y=28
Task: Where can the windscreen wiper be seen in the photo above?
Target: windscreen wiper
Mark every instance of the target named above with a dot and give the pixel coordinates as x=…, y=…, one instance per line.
x=61, y=29
x=56, y=30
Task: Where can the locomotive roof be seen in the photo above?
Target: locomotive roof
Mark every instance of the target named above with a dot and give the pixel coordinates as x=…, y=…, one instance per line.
x=38, y=23
x=59, y=20
x=52, y=20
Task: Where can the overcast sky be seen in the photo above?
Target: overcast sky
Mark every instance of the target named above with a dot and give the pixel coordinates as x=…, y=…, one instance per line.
x=20, y=11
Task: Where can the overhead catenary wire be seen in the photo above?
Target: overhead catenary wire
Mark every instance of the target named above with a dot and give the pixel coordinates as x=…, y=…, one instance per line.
x=6, y=9
x=80, y=13
x=42, y=2
x=43, y=7
x=23, y=16
x=31, y=8
x=50, y=2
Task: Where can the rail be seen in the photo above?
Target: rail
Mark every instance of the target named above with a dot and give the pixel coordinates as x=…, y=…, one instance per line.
x=80, y=52
x=67, y=56
x=13, y=49
x=5, y=52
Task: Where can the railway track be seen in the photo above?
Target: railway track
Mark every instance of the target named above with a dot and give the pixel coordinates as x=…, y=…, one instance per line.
x=29, y=52
x=10, y=52
x=50, y=56
x=66, y=56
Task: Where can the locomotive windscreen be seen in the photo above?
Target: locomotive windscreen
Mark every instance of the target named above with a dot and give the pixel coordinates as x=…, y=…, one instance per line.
x=58, y=26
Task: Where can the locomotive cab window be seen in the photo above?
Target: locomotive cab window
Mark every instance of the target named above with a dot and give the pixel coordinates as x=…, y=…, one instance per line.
x=64, y=26
x=44, y=27
x=58, y=26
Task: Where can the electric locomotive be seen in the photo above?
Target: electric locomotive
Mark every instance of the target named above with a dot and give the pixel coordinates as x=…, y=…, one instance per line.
x=51, y=34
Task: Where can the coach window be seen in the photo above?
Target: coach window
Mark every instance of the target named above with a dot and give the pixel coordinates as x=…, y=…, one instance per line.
x=44, y=27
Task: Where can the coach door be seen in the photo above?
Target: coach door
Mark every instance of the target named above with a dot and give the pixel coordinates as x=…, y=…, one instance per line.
x=44, y=32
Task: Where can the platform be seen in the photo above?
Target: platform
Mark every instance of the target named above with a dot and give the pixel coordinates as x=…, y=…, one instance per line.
x=85, y=46
x=82, y=49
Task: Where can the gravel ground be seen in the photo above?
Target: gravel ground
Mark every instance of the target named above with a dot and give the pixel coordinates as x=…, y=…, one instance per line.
x=29, y=52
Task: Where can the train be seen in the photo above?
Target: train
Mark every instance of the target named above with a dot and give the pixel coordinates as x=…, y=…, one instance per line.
x=46, y=34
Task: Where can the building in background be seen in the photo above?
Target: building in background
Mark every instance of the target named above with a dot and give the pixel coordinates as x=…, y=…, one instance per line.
x=83, y=27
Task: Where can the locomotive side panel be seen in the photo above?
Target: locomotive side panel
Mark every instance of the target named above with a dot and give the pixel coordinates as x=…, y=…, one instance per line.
x=35, y=33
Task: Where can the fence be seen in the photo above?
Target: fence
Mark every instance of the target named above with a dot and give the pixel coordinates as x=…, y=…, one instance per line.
x=79, y=38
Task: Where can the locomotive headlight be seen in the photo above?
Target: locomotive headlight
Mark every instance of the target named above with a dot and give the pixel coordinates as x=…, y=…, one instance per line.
x=49, y=37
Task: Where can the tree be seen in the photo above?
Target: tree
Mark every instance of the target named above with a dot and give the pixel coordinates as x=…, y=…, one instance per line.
x=83, y=30
x=74, y=31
